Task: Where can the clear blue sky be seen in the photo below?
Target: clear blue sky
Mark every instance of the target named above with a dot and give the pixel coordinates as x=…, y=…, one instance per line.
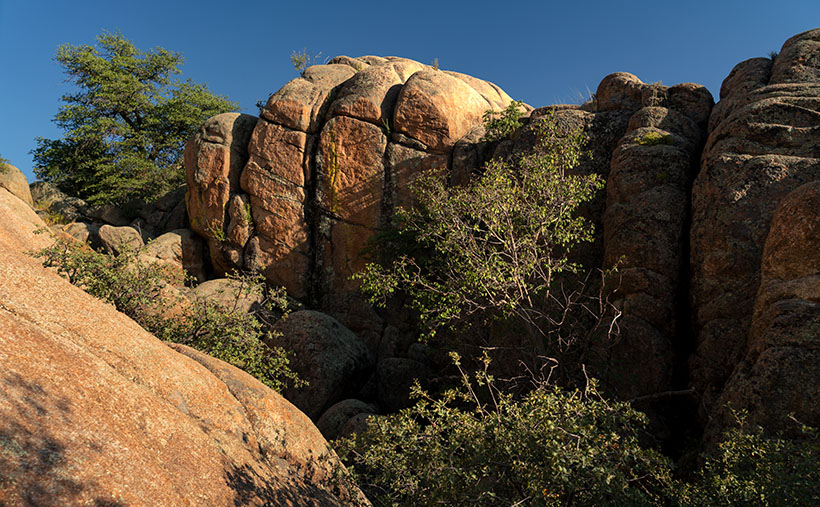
x=541, y=52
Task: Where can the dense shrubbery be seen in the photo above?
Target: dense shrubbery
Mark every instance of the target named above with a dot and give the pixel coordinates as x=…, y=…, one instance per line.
x=477, y=445
x=749, y=468
x=140, y=291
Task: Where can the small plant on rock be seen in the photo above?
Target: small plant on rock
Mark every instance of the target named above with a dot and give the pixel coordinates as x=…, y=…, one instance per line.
x=655, y=138
x=502, y=124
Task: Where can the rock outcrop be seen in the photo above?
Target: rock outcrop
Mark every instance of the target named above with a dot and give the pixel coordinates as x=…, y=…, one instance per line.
x=778, y=377
x=709, y=286
x=763, y=143
x=299, y=196
x=330, y=357
x=13, y=180
x=94, y=410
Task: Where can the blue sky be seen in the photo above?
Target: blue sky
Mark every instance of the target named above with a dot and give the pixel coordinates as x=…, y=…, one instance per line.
x=541, y=52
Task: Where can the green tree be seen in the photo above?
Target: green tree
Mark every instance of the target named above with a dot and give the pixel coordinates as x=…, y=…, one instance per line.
x=498, y=245
x=126, y=122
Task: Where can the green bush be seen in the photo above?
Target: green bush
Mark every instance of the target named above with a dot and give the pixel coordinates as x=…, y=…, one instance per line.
x=500, y=125
x=137, y=289
x=477, y=445
x=749, y=468
x=496, y=246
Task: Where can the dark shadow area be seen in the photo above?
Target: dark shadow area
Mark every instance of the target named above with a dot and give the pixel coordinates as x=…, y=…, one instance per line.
x=251, y=489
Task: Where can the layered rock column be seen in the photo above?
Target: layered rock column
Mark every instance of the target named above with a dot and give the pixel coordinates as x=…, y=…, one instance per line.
x=778, y=378
x=645, y=226
x=763, y=143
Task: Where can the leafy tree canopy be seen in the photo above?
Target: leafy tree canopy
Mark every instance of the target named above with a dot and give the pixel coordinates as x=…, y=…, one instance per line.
x=125, y=124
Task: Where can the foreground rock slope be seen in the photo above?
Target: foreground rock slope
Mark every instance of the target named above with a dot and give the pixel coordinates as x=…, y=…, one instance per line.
x=94, y=410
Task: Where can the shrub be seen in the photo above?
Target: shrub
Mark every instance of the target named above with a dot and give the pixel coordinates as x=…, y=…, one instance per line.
x=138, y=290
x=749, y=468
x=477, y=445
x=496, y=246
x=502, y=124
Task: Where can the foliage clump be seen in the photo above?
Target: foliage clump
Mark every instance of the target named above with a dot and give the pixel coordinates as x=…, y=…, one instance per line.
x=139, y=290
x=125, y=123
x=750, y=468
x=495, y=246
x=477, y=445
x=500, y=125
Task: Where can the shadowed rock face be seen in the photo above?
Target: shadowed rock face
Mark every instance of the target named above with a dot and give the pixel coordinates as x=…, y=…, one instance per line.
x=763, y=143
x=95, y=410
x=779, y=374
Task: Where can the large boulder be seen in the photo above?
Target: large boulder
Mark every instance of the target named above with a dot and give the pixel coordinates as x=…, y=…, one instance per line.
x=13, y=180
x=94, y=410
x=327, y=355
x=179, y=252
x=329, y=158
x=116, y=240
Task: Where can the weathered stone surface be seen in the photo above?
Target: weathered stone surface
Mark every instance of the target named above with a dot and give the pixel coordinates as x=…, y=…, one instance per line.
x=350, y=193
x=495, y=97
x=214, y=158
x=370, y=95
x=227, y=292
x=275, y=178
x=301, y=104
x=179, y=252
x=330, y=357
x=645, y=233
x=778, y=376
x=96, y=410
x=437, y=109
x=49, y=198
x=240, y=223
x=117, y=239
x=13, y=180
x=404, y=165
x=81, y=231
x=798, y=60
x=692, y=100
x=762, y=144
x=339, y=415
x=620, y=90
